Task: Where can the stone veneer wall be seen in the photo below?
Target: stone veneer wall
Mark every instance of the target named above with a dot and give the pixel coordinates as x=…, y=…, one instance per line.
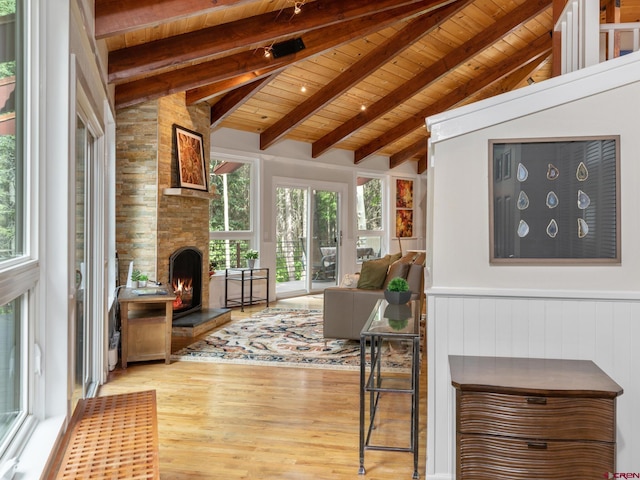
x=150, y=225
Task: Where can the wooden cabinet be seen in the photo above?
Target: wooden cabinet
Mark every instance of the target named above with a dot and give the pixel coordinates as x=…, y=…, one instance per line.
x=146, y=322
x=533, y=419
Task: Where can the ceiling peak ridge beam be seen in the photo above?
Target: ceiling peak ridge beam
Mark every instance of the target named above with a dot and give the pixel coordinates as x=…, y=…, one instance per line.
x=117, y=17
x=385, y=52
x=316, y=41
x=536, y=49
x=507, y=83
x=506, y=24
x=247, y=33
x=208, y=91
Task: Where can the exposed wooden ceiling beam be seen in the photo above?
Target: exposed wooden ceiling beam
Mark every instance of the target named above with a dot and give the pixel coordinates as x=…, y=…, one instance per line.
x=405, y=154
x=205, y=44
x=423, y=161
x=316, y=41
x=480, y=42
x=210, y=90
x=116, y=17
x=508, y=83
x=235, y=99
x=539, y=48
x=380, y=55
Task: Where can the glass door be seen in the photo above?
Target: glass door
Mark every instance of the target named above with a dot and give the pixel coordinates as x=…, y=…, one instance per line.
x=84, y=338
x=308, y=239
x=324, y=248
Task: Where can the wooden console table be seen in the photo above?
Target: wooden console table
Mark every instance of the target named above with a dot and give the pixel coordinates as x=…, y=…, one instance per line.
x=533, y=419
x=146, y=322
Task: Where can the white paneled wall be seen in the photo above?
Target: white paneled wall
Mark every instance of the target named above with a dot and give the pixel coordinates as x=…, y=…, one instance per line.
x=606, y=331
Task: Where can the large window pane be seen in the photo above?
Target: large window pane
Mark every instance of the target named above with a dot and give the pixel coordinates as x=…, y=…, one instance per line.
x=11, y=238
x=226, y=253
x=230, y=210
x=10, y=367
x=369, y=203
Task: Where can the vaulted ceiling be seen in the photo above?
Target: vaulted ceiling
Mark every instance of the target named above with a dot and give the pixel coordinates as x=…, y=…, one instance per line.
x=359, y=75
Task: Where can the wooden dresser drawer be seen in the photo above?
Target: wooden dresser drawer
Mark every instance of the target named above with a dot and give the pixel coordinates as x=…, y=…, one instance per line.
x=555, y=418
x=482, y=457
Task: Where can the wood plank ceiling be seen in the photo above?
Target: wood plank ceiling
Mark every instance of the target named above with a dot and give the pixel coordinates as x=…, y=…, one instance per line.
x=369, y=73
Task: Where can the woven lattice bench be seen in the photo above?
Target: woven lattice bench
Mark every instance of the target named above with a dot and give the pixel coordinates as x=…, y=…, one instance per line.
x=113, y=437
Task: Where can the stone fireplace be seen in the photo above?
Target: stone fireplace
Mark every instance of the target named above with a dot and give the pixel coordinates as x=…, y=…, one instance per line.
x=154, y=218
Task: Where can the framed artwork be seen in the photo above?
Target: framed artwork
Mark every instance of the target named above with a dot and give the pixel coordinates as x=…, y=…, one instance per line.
x=192, y=171
x=404, y=193
x=404, y=208
x=554, y=200
x=404, y=223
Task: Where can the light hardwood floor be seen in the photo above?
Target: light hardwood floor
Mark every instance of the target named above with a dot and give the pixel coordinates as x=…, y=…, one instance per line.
x=252, y=422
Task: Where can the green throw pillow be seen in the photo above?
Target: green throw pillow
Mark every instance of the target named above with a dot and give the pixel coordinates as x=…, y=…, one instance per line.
x=373, y=274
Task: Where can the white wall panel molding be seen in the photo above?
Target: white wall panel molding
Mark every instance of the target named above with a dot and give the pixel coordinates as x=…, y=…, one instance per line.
x=603, y=330
x=533, y=293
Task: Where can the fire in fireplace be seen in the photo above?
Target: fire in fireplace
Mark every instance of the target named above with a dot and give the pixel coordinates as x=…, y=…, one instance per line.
x=185, y=278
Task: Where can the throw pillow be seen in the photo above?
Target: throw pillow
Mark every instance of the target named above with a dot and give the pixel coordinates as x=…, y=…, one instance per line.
x=393, y=257
x=399, y=268
x=373, y=274
x=420, y=258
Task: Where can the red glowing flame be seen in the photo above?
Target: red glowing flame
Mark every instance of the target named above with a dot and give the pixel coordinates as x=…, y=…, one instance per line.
x=181, y=287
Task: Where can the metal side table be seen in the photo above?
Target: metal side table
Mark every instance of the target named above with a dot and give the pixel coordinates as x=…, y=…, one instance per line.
x=389, y=323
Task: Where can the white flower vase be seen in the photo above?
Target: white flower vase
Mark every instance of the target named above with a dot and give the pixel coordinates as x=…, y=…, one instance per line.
x=251, y=263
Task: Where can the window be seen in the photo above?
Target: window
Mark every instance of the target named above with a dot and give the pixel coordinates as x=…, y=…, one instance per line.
x=369, y=211
x=18, y=272
x=230, y=214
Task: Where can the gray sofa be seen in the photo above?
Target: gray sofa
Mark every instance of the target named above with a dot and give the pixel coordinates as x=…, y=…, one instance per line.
x=347, y=309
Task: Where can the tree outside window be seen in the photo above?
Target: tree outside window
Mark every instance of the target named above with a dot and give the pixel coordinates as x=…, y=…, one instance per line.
x=230, y=225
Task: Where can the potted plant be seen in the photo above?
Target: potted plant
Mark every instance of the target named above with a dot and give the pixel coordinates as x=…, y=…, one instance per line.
x=135, y=278
x=251, y=256
x=397, y=291
x=142, y=280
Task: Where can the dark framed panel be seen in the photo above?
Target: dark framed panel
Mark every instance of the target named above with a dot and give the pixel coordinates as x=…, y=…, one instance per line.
x=554, y=200
x=189, y=150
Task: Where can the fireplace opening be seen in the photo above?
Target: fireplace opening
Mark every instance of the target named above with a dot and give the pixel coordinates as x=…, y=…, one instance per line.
x=185, y=278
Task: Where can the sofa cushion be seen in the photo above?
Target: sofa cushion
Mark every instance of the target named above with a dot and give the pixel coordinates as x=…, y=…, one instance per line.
x=373, y=274
x=399, y=268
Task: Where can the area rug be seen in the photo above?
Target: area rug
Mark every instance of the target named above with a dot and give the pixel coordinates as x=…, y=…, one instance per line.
x=287, y=337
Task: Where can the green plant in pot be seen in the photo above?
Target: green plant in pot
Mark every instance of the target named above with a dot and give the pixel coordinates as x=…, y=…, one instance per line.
x=251, y=255
x=397, y=291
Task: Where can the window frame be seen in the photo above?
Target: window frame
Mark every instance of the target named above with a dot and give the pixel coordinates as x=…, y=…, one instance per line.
x=250, y=235
x=382, y=233
x=19, y=276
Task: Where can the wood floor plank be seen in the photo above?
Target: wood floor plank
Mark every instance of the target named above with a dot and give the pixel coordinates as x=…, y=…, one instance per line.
x=218, y=421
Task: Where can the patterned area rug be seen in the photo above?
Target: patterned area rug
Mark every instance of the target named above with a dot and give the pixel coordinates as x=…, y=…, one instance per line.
x=289, y=337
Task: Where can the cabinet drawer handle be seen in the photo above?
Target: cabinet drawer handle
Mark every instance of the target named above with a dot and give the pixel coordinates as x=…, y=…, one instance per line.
x=537, y=445
x=537, y=400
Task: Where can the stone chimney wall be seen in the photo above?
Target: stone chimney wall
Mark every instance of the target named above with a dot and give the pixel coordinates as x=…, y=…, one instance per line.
x=151, y=225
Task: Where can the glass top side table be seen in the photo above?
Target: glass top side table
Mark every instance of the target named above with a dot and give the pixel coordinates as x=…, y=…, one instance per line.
x=389, y=323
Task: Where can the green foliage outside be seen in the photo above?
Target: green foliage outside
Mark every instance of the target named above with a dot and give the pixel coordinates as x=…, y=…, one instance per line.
x=7, y=69
x=7, y=196
x=238, y=195
x=7, y=7
x=372, y=193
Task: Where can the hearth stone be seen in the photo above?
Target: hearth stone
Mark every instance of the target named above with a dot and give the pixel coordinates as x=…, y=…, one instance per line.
x=196, y=323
